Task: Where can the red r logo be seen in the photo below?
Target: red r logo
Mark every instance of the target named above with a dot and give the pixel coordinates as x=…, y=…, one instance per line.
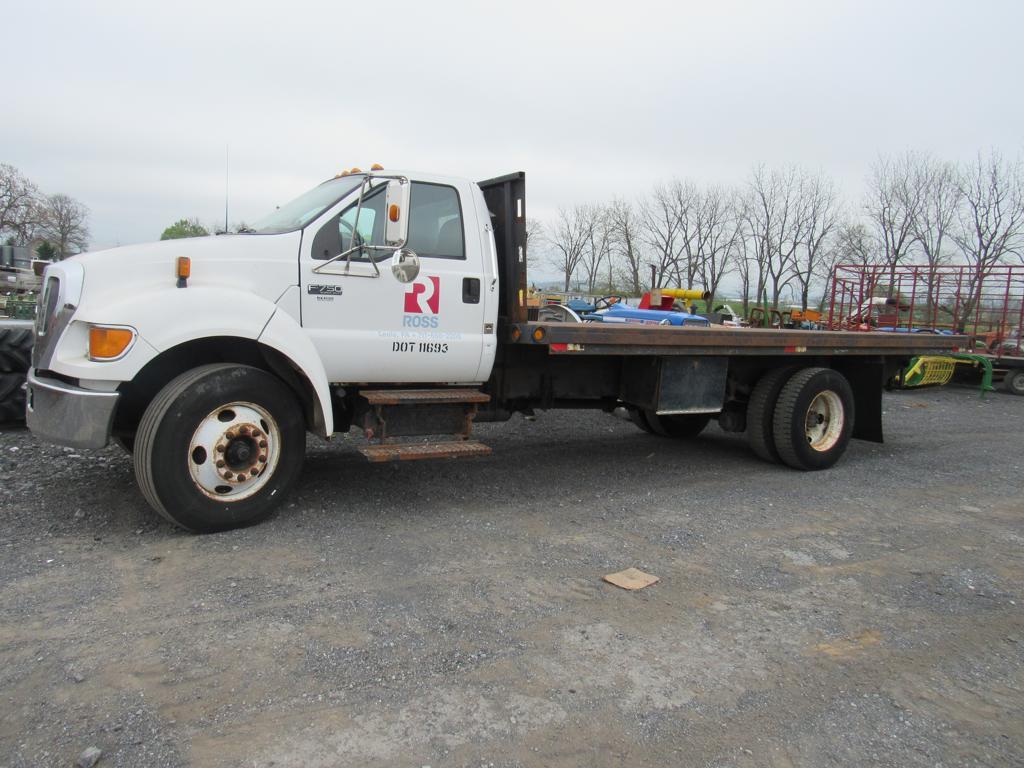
x=424, y=297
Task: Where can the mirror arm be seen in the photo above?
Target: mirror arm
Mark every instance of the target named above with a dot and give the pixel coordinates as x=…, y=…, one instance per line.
x=347, y=255
x=352, y=247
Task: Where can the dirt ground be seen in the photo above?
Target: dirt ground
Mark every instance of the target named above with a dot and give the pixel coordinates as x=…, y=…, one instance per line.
x=451, y=614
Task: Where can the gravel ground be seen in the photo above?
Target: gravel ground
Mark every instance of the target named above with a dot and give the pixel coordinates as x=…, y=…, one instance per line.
x=451, y=614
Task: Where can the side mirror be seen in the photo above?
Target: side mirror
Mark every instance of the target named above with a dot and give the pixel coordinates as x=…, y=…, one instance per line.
x=396, y=222
x=405, y=265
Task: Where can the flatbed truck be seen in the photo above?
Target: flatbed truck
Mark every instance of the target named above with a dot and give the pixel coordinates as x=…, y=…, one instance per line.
x=396, y=303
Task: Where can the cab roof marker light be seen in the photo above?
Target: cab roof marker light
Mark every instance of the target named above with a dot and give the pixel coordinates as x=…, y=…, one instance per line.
x=183, y=269
x=376, y=167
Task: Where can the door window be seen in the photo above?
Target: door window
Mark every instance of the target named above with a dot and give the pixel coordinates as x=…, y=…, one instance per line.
x=435, y=222
x=435, y=226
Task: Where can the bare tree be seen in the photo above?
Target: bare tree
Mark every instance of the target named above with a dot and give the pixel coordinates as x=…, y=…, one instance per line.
x=852, y=243
x=990, y=226
x=535, y=238
x=819, y=212
x=775, y=226
x=661, y=231
x=598, y=250
x=625, y=231
x=892, y=205
x=686, y=199
x=570, y=238
x=64, y=221
x=937, y=188
x=718, y=229
x=19, y=199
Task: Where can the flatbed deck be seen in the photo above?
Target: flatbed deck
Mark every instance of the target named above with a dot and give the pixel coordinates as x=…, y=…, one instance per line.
x=622, y=339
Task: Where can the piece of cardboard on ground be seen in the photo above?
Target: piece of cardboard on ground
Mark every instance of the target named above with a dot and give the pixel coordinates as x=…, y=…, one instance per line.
x=631, y=578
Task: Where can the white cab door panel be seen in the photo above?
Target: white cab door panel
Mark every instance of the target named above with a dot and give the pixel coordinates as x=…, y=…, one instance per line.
x=369, y=327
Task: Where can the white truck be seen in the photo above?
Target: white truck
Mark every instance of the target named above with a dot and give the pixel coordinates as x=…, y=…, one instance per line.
x=394, y=302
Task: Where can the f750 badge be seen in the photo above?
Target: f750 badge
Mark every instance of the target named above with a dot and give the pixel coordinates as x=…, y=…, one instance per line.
x=324, y=290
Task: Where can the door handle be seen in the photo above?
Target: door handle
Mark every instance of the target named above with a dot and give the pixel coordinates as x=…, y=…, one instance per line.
x=471, y=290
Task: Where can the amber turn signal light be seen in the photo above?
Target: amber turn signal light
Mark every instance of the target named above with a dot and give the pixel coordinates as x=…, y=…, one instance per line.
x=539, y=334
x=109, y=343
x=394, y=212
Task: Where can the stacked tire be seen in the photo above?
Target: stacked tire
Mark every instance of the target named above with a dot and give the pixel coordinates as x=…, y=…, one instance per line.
x=15, y=355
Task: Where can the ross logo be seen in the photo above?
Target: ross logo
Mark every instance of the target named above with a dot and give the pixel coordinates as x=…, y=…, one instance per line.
x=424, y=296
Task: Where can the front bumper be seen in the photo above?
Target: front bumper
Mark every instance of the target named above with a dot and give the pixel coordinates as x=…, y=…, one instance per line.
x=68, y=415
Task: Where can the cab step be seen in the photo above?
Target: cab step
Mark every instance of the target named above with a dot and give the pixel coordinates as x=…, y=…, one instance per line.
x=449, y=449
x=424, y=396
x=388, y=413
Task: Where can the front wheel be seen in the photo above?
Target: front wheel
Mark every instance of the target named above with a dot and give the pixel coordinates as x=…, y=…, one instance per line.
x=219, y=447
x=813, y=419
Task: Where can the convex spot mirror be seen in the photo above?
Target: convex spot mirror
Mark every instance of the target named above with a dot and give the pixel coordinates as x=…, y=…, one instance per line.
x=396, y=206
x=405, y=265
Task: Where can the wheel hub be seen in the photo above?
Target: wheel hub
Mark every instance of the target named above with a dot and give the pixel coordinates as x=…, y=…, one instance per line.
x=241, y=453
x=234, y=451
x=824, y=421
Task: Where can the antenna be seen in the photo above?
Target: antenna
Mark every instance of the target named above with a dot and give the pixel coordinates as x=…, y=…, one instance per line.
x=226, y=149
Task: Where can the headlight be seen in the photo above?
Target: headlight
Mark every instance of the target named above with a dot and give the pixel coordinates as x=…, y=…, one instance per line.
x=109, y=342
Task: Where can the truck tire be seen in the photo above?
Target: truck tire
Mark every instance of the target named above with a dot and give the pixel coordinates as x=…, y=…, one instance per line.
x=638, y=418
x=1013, y=381
x=15, y=355
x=220, y=447
x=813, y=419
x=761, y=412
x=678, y=425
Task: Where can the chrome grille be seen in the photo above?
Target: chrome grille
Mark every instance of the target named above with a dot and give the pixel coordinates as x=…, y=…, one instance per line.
x=47, y=306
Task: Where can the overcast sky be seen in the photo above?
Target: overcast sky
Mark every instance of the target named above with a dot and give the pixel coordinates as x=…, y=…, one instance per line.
x=128, y=106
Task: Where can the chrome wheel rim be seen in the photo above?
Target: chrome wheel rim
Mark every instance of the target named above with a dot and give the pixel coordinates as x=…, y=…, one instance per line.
x=234, y=451
x=823, y=423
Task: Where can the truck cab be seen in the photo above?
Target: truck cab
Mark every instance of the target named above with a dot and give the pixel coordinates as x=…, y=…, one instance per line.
x=369, y=277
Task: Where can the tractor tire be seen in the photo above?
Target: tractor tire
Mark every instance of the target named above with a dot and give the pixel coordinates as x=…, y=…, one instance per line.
x=1013, y=381
x=220, y=447
x=15, y=348
x=761, y=412
x=813, y=419
x=12, y=399
x=15, y=359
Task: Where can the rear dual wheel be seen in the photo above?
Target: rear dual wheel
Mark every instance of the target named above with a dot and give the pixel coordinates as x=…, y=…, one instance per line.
x=804, y=419
x=219, y=447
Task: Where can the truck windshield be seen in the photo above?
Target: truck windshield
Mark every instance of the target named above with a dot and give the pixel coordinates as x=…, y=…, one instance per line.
x=306, y=207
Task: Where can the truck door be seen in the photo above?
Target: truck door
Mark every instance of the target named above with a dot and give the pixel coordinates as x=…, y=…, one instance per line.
x=370, y=327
